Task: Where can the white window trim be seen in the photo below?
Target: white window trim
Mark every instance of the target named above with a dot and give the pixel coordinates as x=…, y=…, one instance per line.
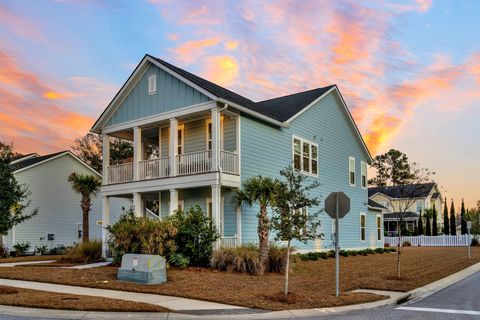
x=363, y=164
x=423, y=206
x=152, y=79
x=207, y=123
x=181, y=127
x=302, y=140
x=364, y=215
x=381, y=226
x=354, y=172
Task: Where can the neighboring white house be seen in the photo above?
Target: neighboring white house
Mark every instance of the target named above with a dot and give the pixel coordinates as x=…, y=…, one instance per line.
x=426, y=196
x=59, y=218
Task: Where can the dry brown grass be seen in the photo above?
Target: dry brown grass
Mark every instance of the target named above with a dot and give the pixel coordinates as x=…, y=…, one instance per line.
x=49, y=300
x=312, y=282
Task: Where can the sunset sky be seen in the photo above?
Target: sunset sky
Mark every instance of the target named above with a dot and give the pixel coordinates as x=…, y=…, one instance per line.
x=409, y=70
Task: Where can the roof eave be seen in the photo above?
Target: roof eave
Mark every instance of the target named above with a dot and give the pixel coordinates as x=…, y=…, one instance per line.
x=253, y=113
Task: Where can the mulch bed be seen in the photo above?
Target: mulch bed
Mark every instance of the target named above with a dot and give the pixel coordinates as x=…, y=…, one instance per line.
x=50, y=300
x=312, y=283
x=29, y=258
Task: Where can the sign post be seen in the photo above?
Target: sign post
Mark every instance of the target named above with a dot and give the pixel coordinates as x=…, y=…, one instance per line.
x=337, y=205
x=469, y=227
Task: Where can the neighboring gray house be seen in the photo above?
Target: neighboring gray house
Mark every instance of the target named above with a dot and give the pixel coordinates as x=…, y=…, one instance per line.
x=59, y=218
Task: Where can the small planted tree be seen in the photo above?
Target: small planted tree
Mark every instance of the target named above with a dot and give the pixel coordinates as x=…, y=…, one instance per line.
x=409, y=181
x=13, y=196
x=453, y=222
x=434, y=222
x=446, y=224
x=291, y=219
x=88, y=186
x=259, y=191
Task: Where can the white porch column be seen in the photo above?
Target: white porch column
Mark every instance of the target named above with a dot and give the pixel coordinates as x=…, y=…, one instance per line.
x=137, y=152
x=215, y=140
x=105, y=157
x=137, y=204
x=217, y=207
x=239, y=226
x=173, y=201
x=105, y=223
x=237, y=144
x=173, y=146
x=159, y=142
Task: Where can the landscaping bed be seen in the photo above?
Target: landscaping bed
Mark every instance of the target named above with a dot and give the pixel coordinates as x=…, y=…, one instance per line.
x=19, y=297
x=312, y=282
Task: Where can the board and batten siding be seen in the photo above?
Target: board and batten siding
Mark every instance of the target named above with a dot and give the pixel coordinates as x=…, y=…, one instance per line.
x=58, y=205
x=265, y=150
x=171, y=94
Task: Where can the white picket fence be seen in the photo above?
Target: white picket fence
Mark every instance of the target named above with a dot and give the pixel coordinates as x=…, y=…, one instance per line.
x=432, y=241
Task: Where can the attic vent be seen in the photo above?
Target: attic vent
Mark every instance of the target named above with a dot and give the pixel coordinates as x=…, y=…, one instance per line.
x=152, y=84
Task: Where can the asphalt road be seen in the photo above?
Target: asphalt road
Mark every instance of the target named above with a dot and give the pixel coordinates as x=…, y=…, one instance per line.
x=458, y=301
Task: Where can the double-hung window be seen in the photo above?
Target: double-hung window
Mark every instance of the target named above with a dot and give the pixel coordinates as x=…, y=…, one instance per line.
x=351, y=171
x=364, y=174
x=209, y=134
x=363, y=227
x=181, y=139
x=419, y=206
x=152, y=84
x=379, y=227
x=305, y=156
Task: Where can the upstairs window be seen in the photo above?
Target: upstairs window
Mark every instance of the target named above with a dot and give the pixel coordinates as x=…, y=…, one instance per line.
x=152, y=84
x=351, y=171
x=305, y=156
x=419, y=206
x=364, y=175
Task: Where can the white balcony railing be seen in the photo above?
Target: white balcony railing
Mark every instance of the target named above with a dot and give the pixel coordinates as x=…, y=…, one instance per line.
x=229, y=162
x=228, y=242
x=120, y=173
x=154, y=168
x=193, y=162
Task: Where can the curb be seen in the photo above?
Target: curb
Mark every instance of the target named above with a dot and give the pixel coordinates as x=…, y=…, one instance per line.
x=409, y=297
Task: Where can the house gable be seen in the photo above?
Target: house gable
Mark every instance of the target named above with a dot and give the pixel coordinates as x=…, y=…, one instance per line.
x=171, y=93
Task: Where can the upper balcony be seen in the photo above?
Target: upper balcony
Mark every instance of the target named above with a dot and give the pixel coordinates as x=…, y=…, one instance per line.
x=200, y=143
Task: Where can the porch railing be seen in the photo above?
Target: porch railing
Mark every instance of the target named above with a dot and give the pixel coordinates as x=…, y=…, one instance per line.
x=194, y=162
x=228, y=242
x=154, y=168
x=229, y=162
x=120, y=173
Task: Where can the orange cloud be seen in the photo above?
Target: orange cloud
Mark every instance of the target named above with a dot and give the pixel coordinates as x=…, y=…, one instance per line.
x=30, y=120
x=222, y=70
x=190, y=50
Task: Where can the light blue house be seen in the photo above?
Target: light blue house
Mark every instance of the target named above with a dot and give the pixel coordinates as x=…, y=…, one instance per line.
x=209, y=139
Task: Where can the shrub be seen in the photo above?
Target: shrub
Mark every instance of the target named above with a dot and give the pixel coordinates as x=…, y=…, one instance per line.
x=179, y=260
x=3, y=251
x=42, y=249
x=386, y=245
x=406, y=243
x=85, y=252
x=474, y=242
x=195, y=235
x=380, y=250
x=244, y=259
x=60, y=249
x=132, y=234
x=21, y=247
x=343, y=253
x=277, y=258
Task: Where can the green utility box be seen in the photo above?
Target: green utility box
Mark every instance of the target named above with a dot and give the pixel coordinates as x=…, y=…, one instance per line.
x=143, y=268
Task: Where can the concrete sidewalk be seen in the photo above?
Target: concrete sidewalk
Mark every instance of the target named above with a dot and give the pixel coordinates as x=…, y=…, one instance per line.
x=172, y=303
x=24, y=263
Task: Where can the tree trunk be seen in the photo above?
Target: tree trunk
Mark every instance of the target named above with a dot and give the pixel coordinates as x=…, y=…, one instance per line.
x=263, y=230
x=86, y=210
x=287, y=269
x=399, y=251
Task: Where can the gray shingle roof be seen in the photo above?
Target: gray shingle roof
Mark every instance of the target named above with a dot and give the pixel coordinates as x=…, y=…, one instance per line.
x=281, y=108
x=31, y=161
x=404, y=191
x=375, y=204
x=396, y=215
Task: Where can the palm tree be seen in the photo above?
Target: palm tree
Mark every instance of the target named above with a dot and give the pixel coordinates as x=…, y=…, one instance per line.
x=261, y=191
x=88, y=186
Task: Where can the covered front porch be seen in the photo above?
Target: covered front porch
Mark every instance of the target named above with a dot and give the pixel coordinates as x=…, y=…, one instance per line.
x=215, y=201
